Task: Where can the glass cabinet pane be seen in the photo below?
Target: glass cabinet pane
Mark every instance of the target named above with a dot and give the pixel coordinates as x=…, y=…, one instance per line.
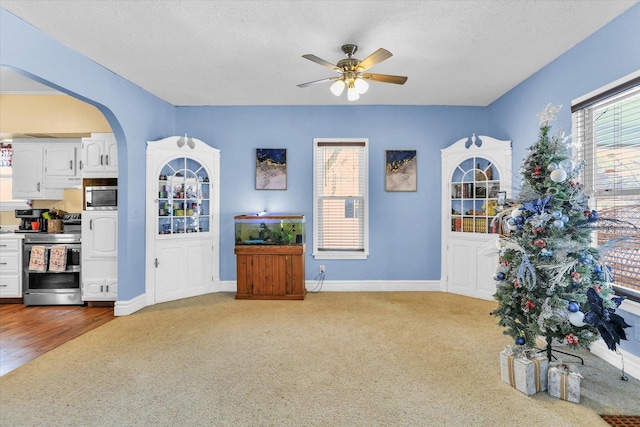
x=183, y=197
x=474, y=188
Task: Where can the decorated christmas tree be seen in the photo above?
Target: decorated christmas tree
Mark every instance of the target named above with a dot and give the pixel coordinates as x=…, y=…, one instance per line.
x=551, y=281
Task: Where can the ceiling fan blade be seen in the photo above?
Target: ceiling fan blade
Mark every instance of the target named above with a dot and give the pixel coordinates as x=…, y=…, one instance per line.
x=375, y=58
x=322, y=62
x=315, y=82
x=385, y=78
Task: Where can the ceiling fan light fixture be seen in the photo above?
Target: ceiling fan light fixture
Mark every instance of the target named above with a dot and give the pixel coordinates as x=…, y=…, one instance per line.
x=361, y=85
x=352, y=93
x=337, y=87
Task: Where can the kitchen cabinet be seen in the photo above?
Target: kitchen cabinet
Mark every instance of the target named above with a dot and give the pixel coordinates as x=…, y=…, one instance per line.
x=100, y=281
x=99, y=156
x=99, y=255
x=10, y=267
x=61, y=164
x=28, y=172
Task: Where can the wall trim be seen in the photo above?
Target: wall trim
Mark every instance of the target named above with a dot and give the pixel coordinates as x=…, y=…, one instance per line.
x=374, y=285
x=124, y=308
x=631, y=361
x=359, y=285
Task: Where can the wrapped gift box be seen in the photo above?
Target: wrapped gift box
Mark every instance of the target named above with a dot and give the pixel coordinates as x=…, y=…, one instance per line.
x=564, y=383
x=527, y=374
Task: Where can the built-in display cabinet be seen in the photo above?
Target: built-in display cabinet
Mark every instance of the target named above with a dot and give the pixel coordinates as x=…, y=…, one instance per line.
x=182, y=220
x=475, y=171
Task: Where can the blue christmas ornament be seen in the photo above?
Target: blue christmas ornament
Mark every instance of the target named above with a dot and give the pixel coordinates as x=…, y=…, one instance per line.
x=520, y=341
x=573, y=307
x=546, y=253
x=585, y=260
x=594, y=216
x=558, y=223
x=519, y=219
x=500, y=276
x=552, y=167
x=564, y=218
x=597, y=268
x=556, y=214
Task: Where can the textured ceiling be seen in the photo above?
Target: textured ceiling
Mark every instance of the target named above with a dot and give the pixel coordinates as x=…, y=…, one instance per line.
x=250, y=52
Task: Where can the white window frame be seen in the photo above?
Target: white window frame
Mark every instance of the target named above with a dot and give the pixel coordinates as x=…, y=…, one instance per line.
x=588, y=150
x=345, y=254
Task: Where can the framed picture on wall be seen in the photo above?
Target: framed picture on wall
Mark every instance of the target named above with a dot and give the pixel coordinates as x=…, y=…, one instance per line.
x=271, y=168
x=401, y=170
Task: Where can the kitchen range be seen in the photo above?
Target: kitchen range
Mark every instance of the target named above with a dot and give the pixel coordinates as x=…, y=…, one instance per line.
x=51, y=258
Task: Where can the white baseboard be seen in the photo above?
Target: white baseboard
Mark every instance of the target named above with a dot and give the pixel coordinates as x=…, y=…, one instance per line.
x=631, y=361
x=124, y=308
x=374, y=285
x=359, y=285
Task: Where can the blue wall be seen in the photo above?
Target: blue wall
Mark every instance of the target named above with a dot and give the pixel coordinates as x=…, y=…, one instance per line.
x=405, y=227
x=134, y=115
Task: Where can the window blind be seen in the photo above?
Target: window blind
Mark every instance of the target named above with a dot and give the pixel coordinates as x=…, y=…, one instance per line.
x=341, y=187
x=609, y=133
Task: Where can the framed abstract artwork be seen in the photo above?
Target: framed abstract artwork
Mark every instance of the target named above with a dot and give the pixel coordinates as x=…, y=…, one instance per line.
x=271, y=168
x=401, y=170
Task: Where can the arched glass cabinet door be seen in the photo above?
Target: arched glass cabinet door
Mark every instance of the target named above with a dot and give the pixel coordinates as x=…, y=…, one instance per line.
x=183, y=197
x=474, y=185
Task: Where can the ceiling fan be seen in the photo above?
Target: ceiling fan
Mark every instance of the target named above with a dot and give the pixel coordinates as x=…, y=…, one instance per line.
x=352, y=73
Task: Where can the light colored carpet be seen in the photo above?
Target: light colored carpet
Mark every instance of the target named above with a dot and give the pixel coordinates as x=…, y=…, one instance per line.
x=334, y=359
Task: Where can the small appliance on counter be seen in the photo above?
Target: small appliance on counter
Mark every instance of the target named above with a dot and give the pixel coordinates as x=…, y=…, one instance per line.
x=72, y=222
x=31, y=220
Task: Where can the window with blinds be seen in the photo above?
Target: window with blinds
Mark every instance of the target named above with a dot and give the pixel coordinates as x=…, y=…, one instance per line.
x=340, y=198
x=607, y=128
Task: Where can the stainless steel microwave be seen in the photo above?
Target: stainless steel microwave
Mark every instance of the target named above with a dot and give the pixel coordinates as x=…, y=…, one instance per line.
x=101, y=198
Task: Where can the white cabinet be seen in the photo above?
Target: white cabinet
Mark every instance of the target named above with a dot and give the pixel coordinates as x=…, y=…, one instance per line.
x=61, y=164
x=10, y=267
x=100, y=281
x=474, y=171
x=99, y=256
x=99, y=156
x=183, y=219
x=28, y=172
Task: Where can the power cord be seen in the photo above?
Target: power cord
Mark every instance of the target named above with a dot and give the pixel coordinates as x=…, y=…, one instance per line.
x=319, y=284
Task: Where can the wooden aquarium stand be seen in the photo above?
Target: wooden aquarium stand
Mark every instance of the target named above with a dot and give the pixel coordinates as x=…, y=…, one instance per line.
x=270, y=272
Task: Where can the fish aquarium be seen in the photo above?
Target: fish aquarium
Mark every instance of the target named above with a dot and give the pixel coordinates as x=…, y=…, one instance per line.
x=270, y=229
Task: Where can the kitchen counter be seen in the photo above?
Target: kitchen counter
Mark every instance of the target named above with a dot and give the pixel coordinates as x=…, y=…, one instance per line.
x=9, y=234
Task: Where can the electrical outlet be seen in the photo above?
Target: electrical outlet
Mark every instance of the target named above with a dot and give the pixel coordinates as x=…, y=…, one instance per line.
x=322, y=269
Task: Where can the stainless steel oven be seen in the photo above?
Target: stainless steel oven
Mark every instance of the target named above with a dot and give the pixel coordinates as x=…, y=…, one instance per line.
x=42, y=284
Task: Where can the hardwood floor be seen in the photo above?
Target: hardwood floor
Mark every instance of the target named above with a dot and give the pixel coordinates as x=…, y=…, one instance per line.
x=28, y=332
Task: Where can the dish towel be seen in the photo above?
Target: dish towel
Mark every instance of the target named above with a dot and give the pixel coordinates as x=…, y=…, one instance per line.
x=58, y=258
x=37, y=261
